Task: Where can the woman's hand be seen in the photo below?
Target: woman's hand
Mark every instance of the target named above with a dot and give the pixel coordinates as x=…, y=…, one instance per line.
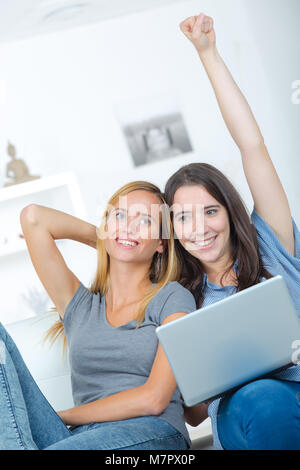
x=200, y=31
x=62, y=416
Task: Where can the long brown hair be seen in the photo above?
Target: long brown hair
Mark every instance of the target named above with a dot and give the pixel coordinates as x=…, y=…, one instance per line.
x=243, y=236
x=164, y=267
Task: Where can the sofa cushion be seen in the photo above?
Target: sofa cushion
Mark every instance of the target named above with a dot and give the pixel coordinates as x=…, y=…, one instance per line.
x=46, y=362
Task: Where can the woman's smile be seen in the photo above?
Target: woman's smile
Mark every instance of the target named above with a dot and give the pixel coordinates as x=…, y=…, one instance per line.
x=205, y=244
x=127, y=243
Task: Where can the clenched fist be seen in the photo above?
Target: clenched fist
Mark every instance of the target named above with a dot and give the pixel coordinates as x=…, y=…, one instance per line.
x=200, y=31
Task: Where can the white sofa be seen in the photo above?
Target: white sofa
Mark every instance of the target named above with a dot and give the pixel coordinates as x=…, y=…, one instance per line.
x=52, y=374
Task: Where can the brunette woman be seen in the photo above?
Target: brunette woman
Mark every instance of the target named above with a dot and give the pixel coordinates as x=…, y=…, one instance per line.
x=222, y=250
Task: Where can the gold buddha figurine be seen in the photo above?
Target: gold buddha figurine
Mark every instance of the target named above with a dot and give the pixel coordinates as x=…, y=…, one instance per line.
x=16, y=169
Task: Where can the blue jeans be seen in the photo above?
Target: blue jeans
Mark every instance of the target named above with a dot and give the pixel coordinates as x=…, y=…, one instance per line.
x=262, y=415
x=28, y=421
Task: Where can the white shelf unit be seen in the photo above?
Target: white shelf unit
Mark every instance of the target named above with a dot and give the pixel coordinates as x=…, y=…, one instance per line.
x=59, y=192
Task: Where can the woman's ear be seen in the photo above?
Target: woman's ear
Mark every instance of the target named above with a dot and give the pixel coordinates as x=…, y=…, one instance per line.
x=161, y=247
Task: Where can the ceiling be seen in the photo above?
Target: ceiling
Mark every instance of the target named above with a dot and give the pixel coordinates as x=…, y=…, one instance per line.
x=24, y=18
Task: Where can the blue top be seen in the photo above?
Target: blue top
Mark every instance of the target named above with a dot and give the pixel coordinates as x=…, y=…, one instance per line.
x=278, y=261
x=106, y=360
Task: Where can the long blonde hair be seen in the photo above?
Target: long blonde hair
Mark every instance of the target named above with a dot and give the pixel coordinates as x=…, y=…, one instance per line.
x=164, y=267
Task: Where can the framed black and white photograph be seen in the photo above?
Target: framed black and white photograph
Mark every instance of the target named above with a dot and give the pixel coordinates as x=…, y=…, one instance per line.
x=154, y=129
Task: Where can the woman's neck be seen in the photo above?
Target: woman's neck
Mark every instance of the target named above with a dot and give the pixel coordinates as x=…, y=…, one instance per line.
x=229, y=280
x=216, y=270
x=128, y=283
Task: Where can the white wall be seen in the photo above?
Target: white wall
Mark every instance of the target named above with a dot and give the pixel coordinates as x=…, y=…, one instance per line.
x=59, y=92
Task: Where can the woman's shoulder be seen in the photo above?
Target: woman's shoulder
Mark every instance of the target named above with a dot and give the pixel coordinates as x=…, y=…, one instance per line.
x=269, y=243
x=170, y=299
x=81, y=301
x=173, y=295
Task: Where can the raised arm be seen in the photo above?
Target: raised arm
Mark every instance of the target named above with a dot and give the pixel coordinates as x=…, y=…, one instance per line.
x=270, y=200
x=41, y=226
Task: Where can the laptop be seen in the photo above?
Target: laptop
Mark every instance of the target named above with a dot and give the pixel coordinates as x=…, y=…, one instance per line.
x=219, y=348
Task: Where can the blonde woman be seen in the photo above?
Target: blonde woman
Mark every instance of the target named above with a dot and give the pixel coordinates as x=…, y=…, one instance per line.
x=124, y=391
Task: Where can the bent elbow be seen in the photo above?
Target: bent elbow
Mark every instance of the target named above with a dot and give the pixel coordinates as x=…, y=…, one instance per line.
x=28, y=214
x=158, y=406
x=157, y=410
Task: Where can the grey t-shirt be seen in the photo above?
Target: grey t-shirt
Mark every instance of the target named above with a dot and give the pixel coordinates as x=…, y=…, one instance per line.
x=105, y=360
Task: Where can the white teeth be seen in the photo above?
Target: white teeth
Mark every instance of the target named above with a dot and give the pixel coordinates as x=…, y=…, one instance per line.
x=126, y=242
x=208, y=242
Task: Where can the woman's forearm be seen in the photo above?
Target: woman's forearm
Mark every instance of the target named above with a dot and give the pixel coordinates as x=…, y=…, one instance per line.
x=123, y=405
x=61, y=225
x=234, y=107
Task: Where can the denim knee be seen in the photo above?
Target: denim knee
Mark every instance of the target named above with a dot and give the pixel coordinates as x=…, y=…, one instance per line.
x=266, y=398
x=264, y=414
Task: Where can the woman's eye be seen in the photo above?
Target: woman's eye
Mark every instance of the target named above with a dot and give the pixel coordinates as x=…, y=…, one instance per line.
x=211, y=211
x=120, y=216
x=145, y=221
x=183, y=218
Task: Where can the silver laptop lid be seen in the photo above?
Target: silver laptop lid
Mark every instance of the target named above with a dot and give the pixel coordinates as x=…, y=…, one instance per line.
x=233, y=341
